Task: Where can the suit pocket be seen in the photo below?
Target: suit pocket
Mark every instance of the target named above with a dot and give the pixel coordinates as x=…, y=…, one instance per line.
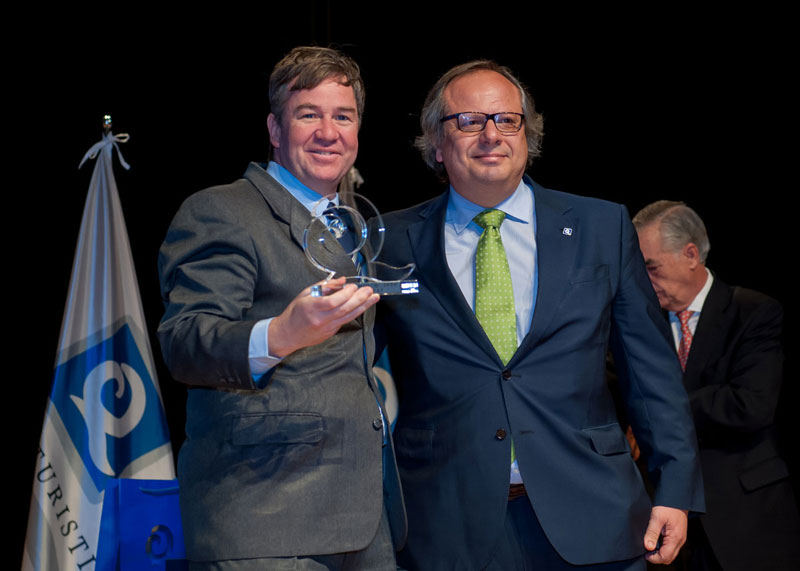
x=607, y=440
x=588, y=274
x=277, y=428
x=763, y=474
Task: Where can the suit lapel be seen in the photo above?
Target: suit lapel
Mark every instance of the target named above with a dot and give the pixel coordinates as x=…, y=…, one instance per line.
x=707, y=341
x=555, y=257
x=290, y=211
x=427, y=246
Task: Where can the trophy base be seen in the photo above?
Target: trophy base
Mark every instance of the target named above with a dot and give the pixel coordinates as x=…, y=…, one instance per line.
x=399, y=287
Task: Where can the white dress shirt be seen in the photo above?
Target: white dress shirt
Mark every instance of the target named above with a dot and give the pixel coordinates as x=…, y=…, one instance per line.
x=696, y=306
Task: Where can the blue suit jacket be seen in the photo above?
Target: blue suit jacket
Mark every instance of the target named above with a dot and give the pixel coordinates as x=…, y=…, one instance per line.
x=459, y=405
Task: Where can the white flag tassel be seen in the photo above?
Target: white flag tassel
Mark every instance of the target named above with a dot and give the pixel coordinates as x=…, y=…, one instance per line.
x=105, y=418
x=109, y=140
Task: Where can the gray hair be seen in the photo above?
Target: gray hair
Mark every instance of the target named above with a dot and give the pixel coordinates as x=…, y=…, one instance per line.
x=305, y=67
x=435, y=108
x=678, y=226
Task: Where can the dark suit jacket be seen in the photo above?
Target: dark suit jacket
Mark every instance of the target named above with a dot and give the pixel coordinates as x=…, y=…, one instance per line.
x=459, y=405
x=292, y=466
x=733, y=377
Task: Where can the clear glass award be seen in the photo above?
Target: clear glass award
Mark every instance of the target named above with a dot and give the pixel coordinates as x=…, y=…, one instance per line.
x=338, y=240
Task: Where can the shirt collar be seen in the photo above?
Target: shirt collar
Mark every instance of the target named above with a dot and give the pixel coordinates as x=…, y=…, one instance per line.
x=301, y=192
x=700, y=299
x=518, y=207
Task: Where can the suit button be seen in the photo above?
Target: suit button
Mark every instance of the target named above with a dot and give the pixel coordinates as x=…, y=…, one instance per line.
x=377, y=424
x=500, y=434
x=506, y=375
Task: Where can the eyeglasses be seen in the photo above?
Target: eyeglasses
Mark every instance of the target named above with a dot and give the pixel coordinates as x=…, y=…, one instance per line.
x=475, y=121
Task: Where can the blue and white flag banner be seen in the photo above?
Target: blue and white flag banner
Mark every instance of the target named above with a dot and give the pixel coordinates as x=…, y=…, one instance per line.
x=105, y=418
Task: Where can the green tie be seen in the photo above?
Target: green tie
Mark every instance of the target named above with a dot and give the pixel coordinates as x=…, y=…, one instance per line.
x=494, y=296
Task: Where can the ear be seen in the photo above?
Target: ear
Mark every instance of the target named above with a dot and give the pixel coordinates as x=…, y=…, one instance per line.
x=274, y=128
x=692, y=255
x=439, y=158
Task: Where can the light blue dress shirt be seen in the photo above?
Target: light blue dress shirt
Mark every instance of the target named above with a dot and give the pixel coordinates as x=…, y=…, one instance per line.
x=260, y=359
x=518, y=233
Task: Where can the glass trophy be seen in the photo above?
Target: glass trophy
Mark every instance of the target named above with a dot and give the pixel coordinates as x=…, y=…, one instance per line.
x=338, y=240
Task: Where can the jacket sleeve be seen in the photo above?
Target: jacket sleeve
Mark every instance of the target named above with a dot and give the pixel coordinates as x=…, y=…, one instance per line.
x=650, y=383
x=742, y=391
x=207, y=268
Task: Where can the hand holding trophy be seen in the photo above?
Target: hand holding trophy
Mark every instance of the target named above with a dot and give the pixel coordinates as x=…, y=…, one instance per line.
x=338, y=240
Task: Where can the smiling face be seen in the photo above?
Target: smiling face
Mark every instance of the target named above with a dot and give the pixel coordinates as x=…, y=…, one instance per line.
x=483, y=167
x=317, y=137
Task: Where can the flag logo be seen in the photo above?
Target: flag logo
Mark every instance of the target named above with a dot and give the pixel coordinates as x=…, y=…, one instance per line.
x=109, y=406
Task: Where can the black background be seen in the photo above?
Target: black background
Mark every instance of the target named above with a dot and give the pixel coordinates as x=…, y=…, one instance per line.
x=638, y=105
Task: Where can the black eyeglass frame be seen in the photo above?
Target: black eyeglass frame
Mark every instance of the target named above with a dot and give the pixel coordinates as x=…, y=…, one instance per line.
x=492, y=116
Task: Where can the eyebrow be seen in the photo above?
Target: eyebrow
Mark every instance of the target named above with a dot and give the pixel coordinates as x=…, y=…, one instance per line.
x=313, y=107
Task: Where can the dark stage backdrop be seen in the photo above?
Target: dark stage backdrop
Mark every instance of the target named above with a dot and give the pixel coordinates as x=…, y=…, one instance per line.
x=637, y=107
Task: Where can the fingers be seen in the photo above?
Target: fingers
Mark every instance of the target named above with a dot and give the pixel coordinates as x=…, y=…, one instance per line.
x=670, y=524
x=336, y=296
x=345, y=305
x=309, y=320
x=322, y=288
x=652, y=534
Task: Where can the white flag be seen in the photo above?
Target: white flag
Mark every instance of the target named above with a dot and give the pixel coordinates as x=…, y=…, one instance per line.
x=105, y=418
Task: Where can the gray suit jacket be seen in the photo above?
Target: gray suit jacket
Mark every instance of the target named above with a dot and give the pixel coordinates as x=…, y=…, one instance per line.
x=291, y=466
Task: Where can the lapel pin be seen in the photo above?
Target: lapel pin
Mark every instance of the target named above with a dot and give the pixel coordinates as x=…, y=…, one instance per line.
x=567, y=231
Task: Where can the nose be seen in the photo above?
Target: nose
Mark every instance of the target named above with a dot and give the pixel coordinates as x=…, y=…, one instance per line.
x=327, y=129
x=490, y=134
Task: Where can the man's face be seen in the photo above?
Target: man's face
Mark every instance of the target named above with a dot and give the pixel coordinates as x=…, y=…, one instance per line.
x=317, y=137
x=673, y=274
x=484, y=167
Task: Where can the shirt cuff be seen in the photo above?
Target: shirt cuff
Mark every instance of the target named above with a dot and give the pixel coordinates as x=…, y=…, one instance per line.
x=258, y=353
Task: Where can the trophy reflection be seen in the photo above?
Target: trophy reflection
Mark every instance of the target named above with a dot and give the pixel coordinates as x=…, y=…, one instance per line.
x=339, y=241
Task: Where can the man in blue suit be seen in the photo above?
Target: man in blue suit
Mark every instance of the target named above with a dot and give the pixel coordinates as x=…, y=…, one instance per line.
x=507, y=440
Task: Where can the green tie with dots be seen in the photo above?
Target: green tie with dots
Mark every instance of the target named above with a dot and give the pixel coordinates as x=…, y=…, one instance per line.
x=494, y=295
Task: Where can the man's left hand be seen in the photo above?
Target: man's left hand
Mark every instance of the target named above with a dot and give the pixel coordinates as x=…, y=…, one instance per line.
x=671, y=524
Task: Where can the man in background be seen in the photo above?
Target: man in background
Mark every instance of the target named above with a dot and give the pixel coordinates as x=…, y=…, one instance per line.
x=507, y=441
x=728, y=341
x=283, y=464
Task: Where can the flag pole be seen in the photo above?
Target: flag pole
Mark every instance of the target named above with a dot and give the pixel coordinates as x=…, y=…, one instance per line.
x=105, y=423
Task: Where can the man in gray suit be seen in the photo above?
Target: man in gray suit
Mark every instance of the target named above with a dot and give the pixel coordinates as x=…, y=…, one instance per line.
x=283, y=465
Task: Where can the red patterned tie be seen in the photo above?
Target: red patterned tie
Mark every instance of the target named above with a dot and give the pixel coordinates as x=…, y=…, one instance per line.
x=686, y=337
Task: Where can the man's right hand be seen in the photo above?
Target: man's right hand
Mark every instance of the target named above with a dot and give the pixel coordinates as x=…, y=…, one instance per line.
x=310, y=320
